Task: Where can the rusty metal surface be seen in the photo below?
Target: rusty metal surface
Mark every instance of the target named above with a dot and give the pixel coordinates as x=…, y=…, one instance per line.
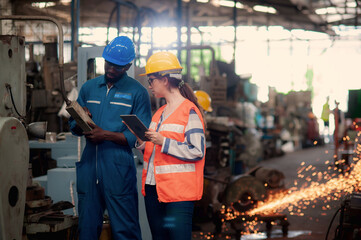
x=245, y=190
x=39, y=203
x=213, y=189
x=35, y=193
x=13, y=75
x=35, y=218
x=44, y=217
x=61, y=43
x=62, y=205
x=51, y=223
x=273, y=177
x=6, y=39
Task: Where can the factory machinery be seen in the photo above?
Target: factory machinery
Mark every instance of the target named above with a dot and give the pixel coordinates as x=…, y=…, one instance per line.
x=24, y=208
x=25, y=200
x=227, y=198
x=228, y=195
x=224, y=185
x=14, y=147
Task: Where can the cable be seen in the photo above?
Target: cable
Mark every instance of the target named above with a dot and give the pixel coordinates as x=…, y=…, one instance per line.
x=333, y=218
x=8, y=86
x=72, y=196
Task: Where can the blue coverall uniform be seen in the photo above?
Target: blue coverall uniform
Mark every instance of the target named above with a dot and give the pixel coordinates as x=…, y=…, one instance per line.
x=106, y=174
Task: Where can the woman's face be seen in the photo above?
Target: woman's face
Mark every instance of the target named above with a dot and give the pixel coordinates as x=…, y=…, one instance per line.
x=157, y=85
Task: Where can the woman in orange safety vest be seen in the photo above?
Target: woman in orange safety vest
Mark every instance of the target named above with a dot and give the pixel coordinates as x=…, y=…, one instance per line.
x=174, y=155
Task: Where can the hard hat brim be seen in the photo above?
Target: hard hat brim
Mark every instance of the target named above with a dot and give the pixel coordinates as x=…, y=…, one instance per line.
x=143, y=74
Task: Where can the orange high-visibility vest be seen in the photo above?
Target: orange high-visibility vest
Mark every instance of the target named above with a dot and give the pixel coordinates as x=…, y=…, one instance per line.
x=176, y=180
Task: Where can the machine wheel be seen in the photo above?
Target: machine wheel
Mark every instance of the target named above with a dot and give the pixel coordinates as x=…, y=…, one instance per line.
x=244, y=191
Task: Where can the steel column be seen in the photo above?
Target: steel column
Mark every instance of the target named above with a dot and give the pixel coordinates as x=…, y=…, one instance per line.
x=179, y=28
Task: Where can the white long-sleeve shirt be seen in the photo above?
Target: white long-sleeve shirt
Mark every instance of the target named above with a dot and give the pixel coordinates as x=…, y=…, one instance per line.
x=191, y=149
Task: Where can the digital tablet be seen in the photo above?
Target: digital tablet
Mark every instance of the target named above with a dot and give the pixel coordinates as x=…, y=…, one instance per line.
x=136, y=125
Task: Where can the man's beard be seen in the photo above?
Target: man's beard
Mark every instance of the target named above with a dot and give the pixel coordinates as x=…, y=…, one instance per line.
x=112, y=80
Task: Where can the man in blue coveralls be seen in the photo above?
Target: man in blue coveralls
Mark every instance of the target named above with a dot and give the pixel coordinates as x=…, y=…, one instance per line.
x=106, y=174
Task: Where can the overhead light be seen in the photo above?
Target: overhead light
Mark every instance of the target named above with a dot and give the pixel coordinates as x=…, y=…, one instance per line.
x=42, y=4
x=202, y=1
x=351, y=4
x=265, y=9
x=226, y=3
x=329, y=10
x=65, y=1
x=338, y=17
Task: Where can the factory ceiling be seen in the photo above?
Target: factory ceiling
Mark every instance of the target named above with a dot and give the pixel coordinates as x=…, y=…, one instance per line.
x=316, y=15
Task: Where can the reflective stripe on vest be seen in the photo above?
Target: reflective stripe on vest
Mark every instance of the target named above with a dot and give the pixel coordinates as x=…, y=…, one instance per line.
x=176, y=180
x=172, y=128
x=153, y=125
x=168, y=127
x=175, y=168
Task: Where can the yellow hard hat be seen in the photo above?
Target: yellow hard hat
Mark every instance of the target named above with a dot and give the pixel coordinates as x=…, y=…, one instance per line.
x=163, y=63
x=204, y=100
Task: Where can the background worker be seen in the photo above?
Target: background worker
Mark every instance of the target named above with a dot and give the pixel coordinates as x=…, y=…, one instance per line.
x=325, y=116
x=204, y=100
x=174, y=155
x=106, y=174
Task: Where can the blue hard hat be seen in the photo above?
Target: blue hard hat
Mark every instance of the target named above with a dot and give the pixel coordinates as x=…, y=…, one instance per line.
x=120, y=51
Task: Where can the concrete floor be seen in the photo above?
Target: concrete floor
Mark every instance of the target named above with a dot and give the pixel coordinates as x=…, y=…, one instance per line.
x=314, y=224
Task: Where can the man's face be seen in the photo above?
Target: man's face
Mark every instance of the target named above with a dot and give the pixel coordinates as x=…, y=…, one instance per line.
x=114, y=72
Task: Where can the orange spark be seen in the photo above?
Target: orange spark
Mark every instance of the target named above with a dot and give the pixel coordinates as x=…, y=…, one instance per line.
x=342, y=184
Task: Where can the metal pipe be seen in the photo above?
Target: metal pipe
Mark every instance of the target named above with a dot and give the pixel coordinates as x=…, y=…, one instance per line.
x=235, y=32
x=214, y=70
x=42, y=18
x=139, y=27
x=118, y=18
x=75, y=16
x=215, y=179
x=335, y=134
x=152, y=36
x=77, y=25
x=201, y=33
x=138, y=23
x=356, y=14
x=189, y=34
x=61, y=44
x=119, y=3
x=109, y=22
x=31, y=52
x=72, y=25
x=179, y=27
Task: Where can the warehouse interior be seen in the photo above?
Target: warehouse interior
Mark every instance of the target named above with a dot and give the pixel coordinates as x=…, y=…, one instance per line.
x=273, y=169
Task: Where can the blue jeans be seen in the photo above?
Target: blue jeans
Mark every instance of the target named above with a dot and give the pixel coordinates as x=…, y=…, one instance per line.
x=168, y=221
